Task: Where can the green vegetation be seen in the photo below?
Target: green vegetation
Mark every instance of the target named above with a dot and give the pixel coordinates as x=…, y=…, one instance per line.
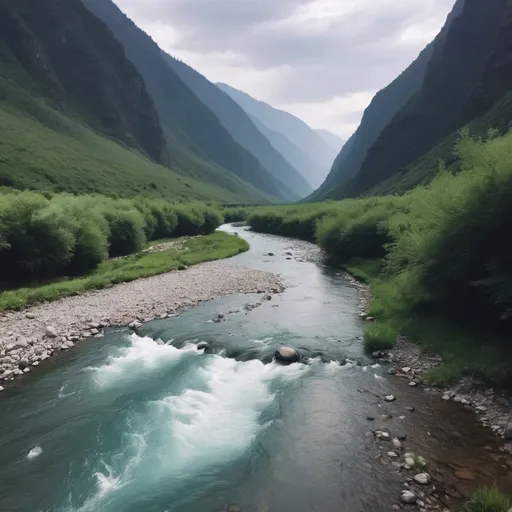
x=121, y=270
x=488, y=500
x=379, y=336
x=43, y=150
x=445, y=276
x=65, y=235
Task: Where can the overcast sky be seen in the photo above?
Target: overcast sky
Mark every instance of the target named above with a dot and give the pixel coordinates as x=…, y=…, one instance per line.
x=322, y=60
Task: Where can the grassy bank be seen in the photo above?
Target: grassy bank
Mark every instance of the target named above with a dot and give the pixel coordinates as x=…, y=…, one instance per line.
x=108, y=273
x=488, y=500
x=436, y=258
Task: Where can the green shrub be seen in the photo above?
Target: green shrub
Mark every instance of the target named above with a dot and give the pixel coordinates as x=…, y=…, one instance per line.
x=488, y=500
x=379, y=336
x=126, y=231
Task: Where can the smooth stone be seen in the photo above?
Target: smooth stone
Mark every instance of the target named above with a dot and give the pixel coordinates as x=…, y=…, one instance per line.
x=397, y=444
x=376, y=353
x=413, y=384
x=507, y=435
x=409, y=461
x=408, y=497
x=50, y=331
x=446, y=397
x=393, y=455
x=1, y=388
x=389, y=398
x=287, y=355
x=481, y=408
x=392, y=371
x=406, y=369
x=410, y=408
x=422, y=478
x=30, y=316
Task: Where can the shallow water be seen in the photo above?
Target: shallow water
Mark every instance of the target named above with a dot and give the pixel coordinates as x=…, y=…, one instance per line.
x=147, y=423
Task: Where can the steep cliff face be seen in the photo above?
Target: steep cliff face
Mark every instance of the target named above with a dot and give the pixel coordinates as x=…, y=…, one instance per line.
x=58, y=50
x=448, y=99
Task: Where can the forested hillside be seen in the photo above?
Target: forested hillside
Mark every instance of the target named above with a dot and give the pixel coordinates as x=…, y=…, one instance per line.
x=192, y=131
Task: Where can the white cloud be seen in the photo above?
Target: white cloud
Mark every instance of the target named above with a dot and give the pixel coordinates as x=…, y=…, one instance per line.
x=317, y=58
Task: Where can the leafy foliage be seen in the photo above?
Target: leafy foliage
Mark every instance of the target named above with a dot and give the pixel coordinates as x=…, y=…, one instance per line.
x=67, y=235
x=443, y=249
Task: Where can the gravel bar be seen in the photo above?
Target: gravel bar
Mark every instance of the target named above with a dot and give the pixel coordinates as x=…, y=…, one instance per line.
x=29, y=337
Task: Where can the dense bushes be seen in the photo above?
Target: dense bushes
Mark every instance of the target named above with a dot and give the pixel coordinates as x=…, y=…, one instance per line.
x=43, y=237
x=444, y=247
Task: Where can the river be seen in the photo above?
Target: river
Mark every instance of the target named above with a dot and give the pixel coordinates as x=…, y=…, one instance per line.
x=147, y=423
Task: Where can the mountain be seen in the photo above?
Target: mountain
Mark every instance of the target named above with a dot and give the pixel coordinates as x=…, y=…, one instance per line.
x=241, y=127
x=61, y=52
x=75, y=114
x=332, y=139
x=458, y=88
x=296, y=130
x=198, y=144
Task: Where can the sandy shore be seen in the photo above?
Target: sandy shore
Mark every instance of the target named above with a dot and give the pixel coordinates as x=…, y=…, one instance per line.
x=31, y=336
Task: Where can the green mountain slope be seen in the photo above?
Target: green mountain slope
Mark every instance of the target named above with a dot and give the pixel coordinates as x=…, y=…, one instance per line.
x=192, y=131
x=456, y=91
x=58, y=50
x=296, y=130
x=41, y=149
x=241, y=127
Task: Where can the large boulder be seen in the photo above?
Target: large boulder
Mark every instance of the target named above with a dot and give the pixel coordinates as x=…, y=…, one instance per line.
x=287, y=355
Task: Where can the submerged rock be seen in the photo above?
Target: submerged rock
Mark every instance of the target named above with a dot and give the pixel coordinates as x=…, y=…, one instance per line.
x=287, y=355
x=389, y=398
x=202, y=344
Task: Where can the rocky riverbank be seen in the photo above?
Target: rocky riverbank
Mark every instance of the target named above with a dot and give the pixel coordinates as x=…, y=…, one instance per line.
x=29, y=337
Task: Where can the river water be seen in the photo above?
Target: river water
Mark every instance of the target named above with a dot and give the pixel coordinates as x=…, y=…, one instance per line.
x=147, y=423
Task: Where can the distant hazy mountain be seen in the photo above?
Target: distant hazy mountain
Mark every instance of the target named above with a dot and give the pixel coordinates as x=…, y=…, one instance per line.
x=241, y=128
x=332, y=139
x=296, y=130
x=295, y=155
x=198, y=143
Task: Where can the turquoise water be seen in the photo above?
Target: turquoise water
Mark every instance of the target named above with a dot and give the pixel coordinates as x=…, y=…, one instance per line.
x=147, y=423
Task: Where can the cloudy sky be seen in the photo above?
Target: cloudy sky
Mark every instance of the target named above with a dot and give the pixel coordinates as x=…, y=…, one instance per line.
x=322, y=60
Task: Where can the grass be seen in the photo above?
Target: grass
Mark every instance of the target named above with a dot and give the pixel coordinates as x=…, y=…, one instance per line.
x=380, y=336
x=45, y=151
x=467, y=353
x=196, y=250
x=488, y=500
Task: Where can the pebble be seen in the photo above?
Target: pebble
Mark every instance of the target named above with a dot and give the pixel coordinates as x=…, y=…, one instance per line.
x=446, y=397
x=413, y=384
x=422, y=478
x=1, y=388
x=390, y=398
x=397, y=444
x=408, y=497
x=393, y=455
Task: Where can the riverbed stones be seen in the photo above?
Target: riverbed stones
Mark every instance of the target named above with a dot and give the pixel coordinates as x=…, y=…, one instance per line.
x=507, y=435
x=413, y=383
x=397, y=444
x=287, y=355
x=389, y=398
x=422, y=478
x=50, y=331
x=408, y=497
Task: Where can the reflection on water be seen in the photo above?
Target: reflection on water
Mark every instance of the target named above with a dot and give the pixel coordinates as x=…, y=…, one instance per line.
x=147, y=423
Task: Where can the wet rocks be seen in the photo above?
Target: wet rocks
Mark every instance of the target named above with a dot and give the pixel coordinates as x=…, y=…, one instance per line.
x=408, y=497
x=287, y=355
x=507, y=435
x=389, y=398
x=422, y=478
